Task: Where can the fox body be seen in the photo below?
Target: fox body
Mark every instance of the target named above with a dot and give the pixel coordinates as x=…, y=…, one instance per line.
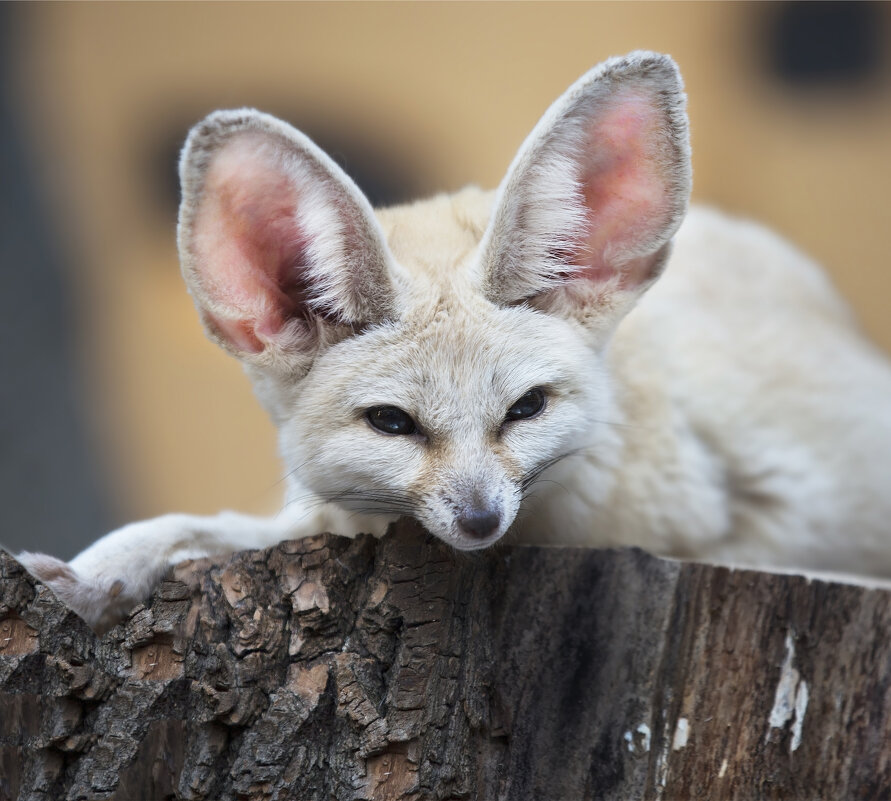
x=506, y=363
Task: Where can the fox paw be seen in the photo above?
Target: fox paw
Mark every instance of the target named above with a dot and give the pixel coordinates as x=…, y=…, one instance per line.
x=101, y=604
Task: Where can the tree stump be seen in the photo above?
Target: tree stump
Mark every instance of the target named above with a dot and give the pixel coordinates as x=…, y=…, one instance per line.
x=334, y=668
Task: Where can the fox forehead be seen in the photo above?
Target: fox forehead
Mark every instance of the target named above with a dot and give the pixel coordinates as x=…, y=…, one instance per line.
x=455, y=362
x=451, y=354
x=438, y=238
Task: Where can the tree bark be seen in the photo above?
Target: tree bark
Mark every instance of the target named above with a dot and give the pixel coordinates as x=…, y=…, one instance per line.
x=393, y=669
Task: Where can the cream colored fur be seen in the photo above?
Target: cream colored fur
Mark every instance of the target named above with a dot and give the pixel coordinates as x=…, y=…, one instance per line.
x=728, y=412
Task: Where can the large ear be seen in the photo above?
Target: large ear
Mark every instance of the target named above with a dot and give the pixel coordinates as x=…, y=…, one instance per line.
x=278, y=246
x=583, y=220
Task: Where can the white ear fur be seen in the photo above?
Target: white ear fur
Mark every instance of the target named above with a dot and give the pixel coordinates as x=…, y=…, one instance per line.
x=277, y=244
x=583, y=219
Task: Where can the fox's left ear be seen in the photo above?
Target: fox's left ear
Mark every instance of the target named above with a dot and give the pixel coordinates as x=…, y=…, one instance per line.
x=280, y=249
x=583, y=221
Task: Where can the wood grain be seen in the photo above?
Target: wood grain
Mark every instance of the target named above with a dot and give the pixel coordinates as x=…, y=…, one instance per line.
x=397, y=669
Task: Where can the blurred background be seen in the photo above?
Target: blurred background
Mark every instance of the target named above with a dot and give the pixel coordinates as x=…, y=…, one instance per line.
x=115, y=406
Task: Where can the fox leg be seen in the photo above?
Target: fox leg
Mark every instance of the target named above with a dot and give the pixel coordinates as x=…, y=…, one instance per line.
x=107, y=579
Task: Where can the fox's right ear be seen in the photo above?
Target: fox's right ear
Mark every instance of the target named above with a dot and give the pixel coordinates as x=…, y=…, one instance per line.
x=583, y=222
x=277, y=244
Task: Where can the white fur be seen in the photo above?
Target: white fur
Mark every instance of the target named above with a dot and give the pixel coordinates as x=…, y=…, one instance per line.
x=730, y=413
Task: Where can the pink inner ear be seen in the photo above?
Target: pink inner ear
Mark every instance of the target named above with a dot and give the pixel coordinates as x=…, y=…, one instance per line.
x=249, y=246
x=627, y=202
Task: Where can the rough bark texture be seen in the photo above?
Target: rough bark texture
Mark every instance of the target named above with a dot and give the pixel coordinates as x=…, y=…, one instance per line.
x=396, y=669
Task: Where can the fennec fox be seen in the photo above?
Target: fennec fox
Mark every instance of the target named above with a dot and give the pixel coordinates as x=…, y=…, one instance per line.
x=505, y=363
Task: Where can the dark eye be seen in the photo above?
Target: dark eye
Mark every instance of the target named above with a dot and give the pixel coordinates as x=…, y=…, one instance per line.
x=528, y=406
x=390, y=420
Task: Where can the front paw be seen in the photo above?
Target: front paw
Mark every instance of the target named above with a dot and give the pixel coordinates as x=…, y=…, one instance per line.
x=100, y=603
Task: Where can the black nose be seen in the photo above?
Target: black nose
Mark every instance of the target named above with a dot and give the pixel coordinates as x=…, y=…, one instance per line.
x=479, y=523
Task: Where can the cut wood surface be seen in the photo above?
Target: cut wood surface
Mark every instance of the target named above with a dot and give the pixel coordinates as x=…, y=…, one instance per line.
x=391, y=669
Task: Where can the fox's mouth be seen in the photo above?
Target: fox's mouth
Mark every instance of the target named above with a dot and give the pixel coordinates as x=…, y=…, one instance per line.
x=465, y=538
x=464, y=543
x=469, y=523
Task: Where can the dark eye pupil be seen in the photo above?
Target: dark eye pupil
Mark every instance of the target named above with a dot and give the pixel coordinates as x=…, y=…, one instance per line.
x=390, y=420
x=527, y=406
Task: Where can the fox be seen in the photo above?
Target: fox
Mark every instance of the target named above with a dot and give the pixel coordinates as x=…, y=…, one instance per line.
x=577, y=358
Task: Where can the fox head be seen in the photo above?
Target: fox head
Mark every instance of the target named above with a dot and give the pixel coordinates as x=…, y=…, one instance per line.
x=435, y=359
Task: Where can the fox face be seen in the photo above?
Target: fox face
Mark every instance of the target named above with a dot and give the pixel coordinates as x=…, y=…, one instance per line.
x=433, y=360
x=448, y=415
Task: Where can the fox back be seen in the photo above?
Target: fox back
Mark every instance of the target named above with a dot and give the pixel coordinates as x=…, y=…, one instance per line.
x=494, y=363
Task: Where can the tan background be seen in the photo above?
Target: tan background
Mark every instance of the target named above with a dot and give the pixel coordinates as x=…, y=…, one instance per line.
x=445, y=91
